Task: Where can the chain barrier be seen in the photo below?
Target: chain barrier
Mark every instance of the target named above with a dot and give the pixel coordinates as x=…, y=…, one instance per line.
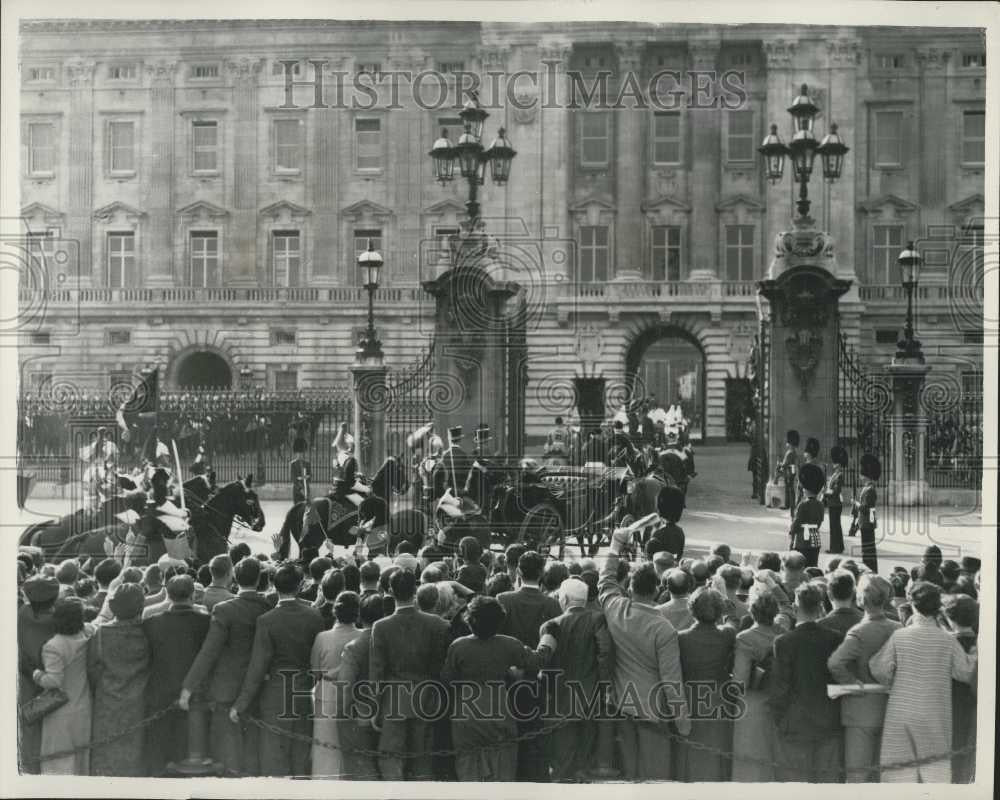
x=524, y=737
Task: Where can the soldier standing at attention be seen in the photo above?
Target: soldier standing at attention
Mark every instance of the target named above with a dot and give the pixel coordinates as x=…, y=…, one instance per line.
x=301, y=471
x=788, y=468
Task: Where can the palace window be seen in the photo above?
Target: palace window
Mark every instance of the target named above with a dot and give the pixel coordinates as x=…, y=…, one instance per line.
x=973, y=137
x=739, y=253
x=595, y=138
x=204, y=264
x=286, y=258
x=121, y=260
x=887, y=242
x=442, y=249
x=453, y=127
x=204, y=71
x=368, y=143
x=361, y=237
x=740, y=140
x=41, y=74
x=890, y=61
x=595, y=252
x=372, y=69
x=667, y=137
x=285, y=380
x=666, y=255
x=122, y=72
x=119, y=336
x=974, y=60
x=287, y=145
x=277, y=68
x=205, y=146
x=41, y=148
x=121, y=147
x=887, y=138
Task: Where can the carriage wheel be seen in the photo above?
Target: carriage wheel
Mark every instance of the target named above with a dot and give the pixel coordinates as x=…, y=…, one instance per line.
x=541, y=528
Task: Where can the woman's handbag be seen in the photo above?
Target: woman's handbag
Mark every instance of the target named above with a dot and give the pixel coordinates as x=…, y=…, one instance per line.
x=42, y=705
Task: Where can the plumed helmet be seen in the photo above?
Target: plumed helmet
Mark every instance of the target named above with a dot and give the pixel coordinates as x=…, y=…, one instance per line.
x=670, y=503
x=812, y=477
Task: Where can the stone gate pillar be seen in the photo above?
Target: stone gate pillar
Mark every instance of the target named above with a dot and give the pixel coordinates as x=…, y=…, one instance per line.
x=802, y=371
x=907, y=479
x=471, y=359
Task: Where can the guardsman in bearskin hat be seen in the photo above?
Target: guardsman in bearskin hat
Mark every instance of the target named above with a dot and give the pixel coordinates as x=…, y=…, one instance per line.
x=833, y=497
x=809, y=513
x=301, y=471
x=788, y=468
x=865, y=518
x=670, y=537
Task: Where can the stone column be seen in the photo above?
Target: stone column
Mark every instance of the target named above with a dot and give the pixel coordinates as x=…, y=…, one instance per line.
x=371, y=395
x=843, y=57
x=704, y=134
x=410, y=141
x=158, y=200
x=553, y=141
x=936, y=126
x=629, y=176
x=324, y=180
x=907, y=480
x=239, y=263
x=80, y=170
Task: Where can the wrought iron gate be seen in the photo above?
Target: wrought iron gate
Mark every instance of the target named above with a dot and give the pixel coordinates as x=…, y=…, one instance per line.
x=409, y=398
x=761, y=387
x=864, y=407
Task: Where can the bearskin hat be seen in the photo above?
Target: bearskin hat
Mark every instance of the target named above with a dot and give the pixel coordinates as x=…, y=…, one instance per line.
x=812, y=477
x=871, y=467
x=670, y=503
x=838, y=455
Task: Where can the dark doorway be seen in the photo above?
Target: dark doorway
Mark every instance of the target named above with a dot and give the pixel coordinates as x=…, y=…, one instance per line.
x=669, y=364
x=204, y=370
x=739, y=408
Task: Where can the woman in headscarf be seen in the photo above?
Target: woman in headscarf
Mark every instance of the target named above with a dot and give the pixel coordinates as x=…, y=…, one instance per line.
x=64, y=660
x=118, y=668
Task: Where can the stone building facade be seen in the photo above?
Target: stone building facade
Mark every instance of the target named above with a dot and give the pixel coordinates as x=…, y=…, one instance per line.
x=181, y=211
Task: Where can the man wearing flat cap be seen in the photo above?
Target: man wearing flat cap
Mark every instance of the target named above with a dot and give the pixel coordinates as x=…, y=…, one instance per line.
x=35, y=626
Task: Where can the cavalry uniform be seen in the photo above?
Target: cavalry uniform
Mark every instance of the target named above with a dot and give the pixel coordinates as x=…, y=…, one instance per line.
x=557, y=446
x=346, y=467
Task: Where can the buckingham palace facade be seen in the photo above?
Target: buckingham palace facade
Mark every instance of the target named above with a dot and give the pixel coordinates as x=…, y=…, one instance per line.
x=197, y=209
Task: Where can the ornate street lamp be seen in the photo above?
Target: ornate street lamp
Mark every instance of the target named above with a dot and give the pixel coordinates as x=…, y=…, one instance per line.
x=370, y=264
x=909, y=267
x=803, y=149
x=471, y=157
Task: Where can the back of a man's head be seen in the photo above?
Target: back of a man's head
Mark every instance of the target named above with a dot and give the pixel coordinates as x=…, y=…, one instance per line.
x=370, y=572
x=678, y=582
x=530, y=566
x=153, y=577
x=68, y=572
x=239, y=551
x=732, y=576
x=794, y=561
x=699, y=572
x=809, y=600
x=427, y=597
x=403, y=585
x=221, y=567
x=932, y=556
x=287, y=579
x=107, y=571
x=180, y=589
x=644, y=582
x=841, y=586
x=513, y=555
x=247, y=573
x=724, y=551
x=318, y=568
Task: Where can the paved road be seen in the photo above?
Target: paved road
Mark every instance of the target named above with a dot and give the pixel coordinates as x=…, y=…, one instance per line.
x=719, y=510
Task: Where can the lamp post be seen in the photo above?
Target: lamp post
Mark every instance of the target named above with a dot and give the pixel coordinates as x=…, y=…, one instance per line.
x=370, y=262
x=472, y=158
x=908, y=347
x=803, y=150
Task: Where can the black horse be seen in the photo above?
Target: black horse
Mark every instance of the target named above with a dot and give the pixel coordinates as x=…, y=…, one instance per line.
x=332, y=517
x=208, y=535
x=50, y=536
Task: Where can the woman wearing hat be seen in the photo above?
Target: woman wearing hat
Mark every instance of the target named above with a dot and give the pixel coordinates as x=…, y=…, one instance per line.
x=64, y=660
x=118, y=667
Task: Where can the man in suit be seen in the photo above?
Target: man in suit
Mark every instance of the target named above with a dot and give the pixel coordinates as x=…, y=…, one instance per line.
x=355, y=730
x=174, y=637
x=675, y=610
x=279, y=678
x=806, y=720
x=220, y=589
x=526, y=609
x=862, y=715
x=845, y=614
x=581, y=668
x=222, y=662
x=647, y=663
x=35, y=626
x=408, y=648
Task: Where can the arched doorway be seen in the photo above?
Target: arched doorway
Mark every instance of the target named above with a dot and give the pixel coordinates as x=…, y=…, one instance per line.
x=203, y=369
x=669, y=364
